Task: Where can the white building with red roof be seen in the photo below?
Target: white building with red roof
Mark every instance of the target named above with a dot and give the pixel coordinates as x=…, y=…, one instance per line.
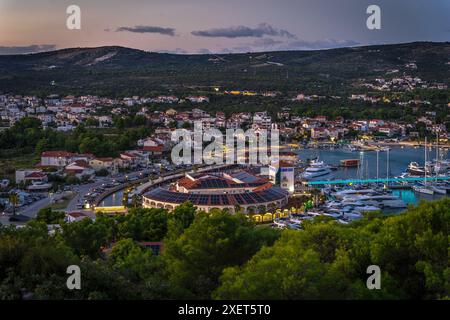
x=30, y=175
x=62, y=158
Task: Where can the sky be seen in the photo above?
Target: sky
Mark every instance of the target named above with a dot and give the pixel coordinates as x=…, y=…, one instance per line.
x=218, y=26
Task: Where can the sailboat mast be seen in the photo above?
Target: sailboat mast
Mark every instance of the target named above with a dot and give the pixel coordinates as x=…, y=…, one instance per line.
x=378, y=164
x=387, y=166
x=436, y=166
x=425, y=164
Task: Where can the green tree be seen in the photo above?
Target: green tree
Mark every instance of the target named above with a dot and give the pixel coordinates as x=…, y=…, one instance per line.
x=85, y=237
x=49, y=216
x=326, y=260
x=142, y=224
x=212, y=242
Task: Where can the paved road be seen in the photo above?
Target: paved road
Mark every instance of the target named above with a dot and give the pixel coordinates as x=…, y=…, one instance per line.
x=80, y=192
x=83, y=189
x=32, y=209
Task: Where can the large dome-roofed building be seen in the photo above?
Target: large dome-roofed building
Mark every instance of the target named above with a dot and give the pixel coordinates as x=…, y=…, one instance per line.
x=241, y=189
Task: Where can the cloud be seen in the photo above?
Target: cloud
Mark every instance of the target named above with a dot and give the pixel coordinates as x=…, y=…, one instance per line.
x=318, y=44
x=261, y=30
x=148, y=29
x=26, y=49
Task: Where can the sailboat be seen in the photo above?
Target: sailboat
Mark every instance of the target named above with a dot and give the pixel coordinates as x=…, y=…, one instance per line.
x=438, y=188
x=424, y=189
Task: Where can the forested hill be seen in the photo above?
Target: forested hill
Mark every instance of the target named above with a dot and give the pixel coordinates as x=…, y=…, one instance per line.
x=124, y=71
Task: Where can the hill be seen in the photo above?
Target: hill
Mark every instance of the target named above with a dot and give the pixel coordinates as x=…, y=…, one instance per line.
x=123, y=71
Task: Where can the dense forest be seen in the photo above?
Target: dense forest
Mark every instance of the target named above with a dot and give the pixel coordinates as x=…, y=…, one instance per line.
x=223, y=256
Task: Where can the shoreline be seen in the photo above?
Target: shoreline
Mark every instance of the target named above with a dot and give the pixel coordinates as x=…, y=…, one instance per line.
x=369, y=147
x=413, y=144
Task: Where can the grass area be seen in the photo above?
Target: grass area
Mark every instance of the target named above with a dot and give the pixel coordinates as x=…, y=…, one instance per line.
x=9, y=166
x=63, y=202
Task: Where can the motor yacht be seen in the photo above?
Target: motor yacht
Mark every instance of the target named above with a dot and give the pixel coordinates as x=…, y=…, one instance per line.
x=316, y=169
x=415, y=169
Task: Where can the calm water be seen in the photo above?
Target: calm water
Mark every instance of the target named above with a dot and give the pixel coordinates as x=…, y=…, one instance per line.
x=399, y=159
x=113, y=200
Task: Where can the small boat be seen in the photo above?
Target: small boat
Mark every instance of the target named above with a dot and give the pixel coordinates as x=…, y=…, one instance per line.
x=296, y=220
x=279, y=225
x=353, y=148
x=367, y=209
x=399, y=203
x=423, y=189
x=438, y=189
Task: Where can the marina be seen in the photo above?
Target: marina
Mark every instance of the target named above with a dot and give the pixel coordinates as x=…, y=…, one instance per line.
x=341, y=168
x=385, y=181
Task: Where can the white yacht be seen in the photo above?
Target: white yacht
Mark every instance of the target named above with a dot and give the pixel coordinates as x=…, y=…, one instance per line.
x=316, y=169
x=415, y=169
x=346, y=192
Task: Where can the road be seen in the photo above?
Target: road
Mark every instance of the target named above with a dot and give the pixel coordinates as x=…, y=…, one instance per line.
x=32, y=210
x=81, y=191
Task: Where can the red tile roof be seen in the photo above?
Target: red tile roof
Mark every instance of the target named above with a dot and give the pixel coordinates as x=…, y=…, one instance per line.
x=104, y=159
x=35, y=175
x=158, y=148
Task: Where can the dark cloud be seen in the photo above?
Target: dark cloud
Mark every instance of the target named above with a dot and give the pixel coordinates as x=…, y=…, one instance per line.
x=261, y=30
x=26, y=49
x=148, y=29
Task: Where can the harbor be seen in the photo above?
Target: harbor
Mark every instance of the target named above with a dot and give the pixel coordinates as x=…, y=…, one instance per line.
x=348, y=184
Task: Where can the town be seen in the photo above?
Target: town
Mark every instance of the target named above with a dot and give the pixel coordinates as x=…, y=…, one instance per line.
x=185, y=151
x=75, y=181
